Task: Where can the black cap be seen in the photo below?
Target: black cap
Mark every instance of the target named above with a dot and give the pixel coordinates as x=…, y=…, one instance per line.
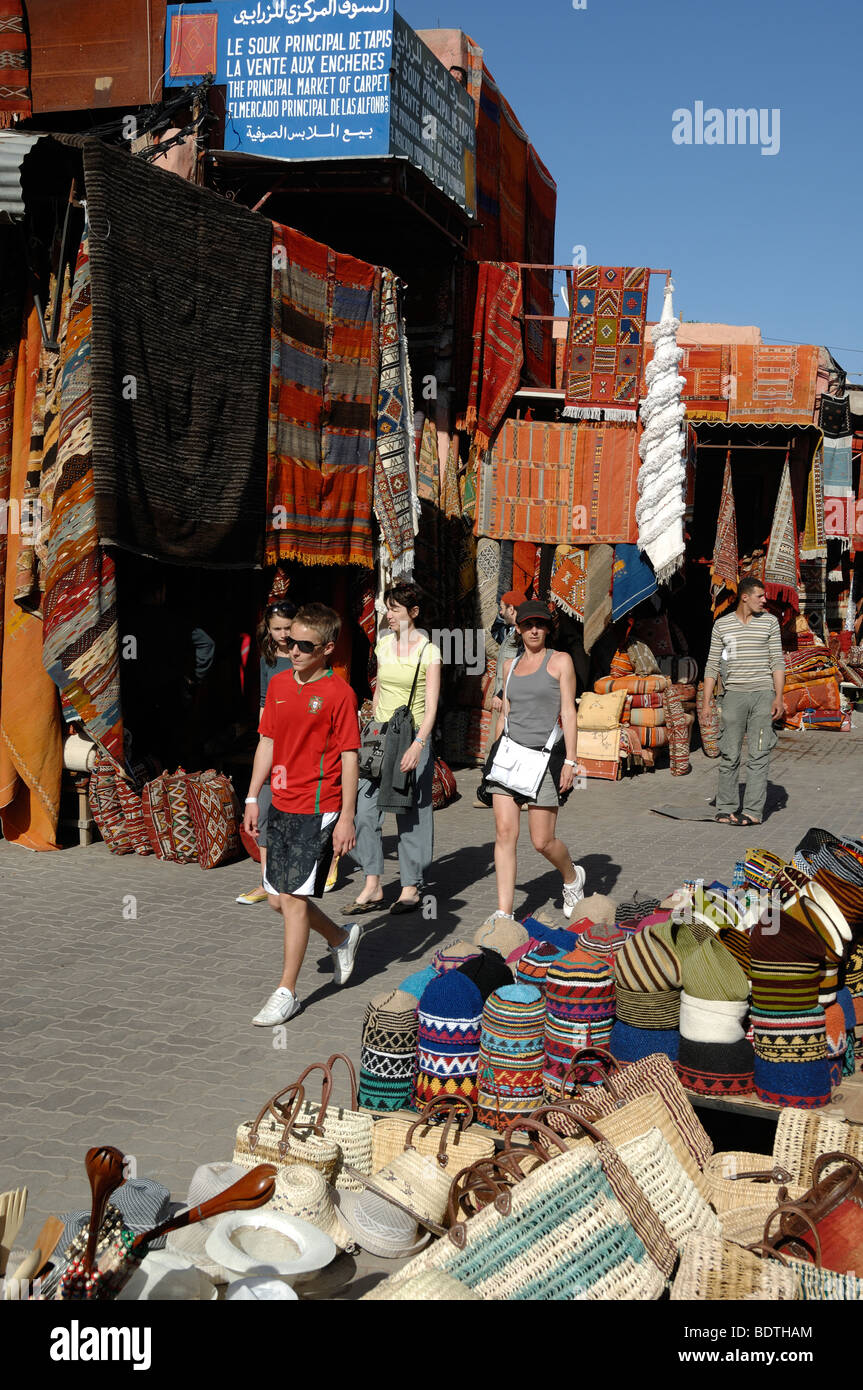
x=532, y=609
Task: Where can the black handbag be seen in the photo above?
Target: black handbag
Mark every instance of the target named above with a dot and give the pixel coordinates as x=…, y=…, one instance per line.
x=374, y=736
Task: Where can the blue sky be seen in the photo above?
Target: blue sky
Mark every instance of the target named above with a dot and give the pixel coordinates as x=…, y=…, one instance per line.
x=766, y=239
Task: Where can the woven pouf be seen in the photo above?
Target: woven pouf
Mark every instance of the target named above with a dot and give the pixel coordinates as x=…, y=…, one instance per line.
x=532, y=968
x=791, y=1066
x=716, y=1069
x=488, y=971
x=388, y=1052
x=579, y=1012
x=453, y=954
x=450, y=1015
x=511, y=1054
x=629, y=1044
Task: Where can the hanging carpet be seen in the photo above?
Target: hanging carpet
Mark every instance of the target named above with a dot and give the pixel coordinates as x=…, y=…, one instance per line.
x=770, y=383
x=181, y=312
x=837, y=468
x=14, y=64
x=393, y=490
x=814, y=543
x=723, y=569
x=497, y=351
x=569, y=580
x=633, y=580
x=834, y=416
x=605, y=342
x=782, y=569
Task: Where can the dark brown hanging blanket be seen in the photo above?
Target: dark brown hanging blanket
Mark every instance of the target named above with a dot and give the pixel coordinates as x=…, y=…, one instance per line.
x=181, y=341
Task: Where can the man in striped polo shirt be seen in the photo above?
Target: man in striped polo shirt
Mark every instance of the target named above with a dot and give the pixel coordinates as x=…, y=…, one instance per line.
x=747, y=648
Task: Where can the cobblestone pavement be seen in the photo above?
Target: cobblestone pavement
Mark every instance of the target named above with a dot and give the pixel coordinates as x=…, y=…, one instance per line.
x=128, y=984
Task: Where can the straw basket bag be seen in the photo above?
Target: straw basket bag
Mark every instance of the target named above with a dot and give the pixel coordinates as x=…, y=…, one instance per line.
x=653, y=1073
x=273, y=1137
x=565, y=1236
x=713, y=1269
x=351, y=1129
x=802, y=1137
x=456, y=1142
x=432, y=1287
x=736, y=1180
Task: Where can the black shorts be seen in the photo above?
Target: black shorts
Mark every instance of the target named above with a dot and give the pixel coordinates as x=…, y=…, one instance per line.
x=299, y=851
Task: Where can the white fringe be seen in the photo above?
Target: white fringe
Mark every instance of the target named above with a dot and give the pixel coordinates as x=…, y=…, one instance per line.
x=590, y=412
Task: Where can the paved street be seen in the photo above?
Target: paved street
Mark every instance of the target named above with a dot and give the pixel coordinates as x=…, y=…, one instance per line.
x=129, y=984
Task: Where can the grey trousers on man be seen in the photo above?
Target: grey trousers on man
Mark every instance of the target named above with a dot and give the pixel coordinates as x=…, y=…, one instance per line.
x=415, y=828
x=745, y=713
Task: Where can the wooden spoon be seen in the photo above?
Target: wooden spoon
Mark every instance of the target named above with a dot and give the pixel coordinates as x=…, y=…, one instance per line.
x=106, y=1171
x=253, y=1189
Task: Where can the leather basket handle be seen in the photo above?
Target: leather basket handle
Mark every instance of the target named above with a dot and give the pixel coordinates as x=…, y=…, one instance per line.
x=326, y=1091
x=450, y=1106
x=340, y=1057
x=489, y=1178
x=791, y=1209
x=542, y=1131
x=590, y=1131
x=853, y=1178
x=297, y=1094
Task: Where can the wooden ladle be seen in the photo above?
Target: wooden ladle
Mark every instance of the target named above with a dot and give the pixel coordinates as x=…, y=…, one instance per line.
x=106, y=1171
x=253, y=1189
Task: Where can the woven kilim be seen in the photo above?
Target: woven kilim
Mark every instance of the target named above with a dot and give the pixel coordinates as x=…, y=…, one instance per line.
x=539, y=284
x=771, y=383
x=393, y=492
x=14, y=65
x=605, y=342
x=569, y=582
x=837, y=477
x=552, y=483
x=80, y=643
x=834, y=416
x=510, y=1055
x=179, y=436
x=723, y=569
x=323, y=392
x=782, y=566
x=707, y=374
x=497, y=351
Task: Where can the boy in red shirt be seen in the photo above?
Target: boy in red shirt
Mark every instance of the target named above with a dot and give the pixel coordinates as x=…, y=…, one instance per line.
x=309, y=742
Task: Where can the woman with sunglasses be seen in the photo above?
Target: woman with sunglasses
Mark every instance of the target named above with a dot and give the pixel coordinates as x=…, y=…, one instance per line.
x=539, y=693
x=274, y=632
x=404, y=653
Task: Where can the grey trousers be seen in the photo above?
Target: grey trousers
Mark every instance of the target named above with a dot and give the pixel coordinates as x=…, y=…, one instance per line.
x=415, y=828
x=744, y=713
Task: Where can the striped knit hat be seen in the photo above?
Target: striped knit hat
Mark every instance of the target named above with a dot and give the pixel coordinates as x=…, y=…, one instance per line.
x=854, y=969
x=450, y=1012
x=636, y=910
x=511, y=1055
x=602, y=941
x=649, y=1009
x=388, y=1051
x=630, y=1044
x=648, y=961
x=717, y=1069
x=786, y=967
x=791, y=1066
x=453, y=954
x=488, y=971
x=532, y=968
x=579, y=1004
x=738, y=943
x=829, y=983
x=711, y=972
x=848, y=897
x=501, y=934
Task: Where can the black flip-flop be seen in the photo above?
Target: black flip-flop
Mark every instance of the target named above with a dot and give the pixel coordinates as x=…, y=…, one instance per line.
x=730, y=818
x=399, y=908
x=360, y=909
x=748, y=822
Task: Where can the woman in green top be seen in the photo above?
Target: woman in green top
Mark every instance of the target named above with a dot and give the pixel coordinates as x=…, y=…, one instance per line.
x=400, y=651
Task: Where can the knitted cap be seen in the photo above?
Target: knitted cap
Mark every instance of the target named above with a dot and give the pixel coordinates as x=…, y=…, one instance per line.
x=717, y=1069
x=637, y=909
x=598, y=908
x=738, y=943
x=501, y=934
x=533, y=966
x=388, y=1051
x=448, y=1036
x=579, y=1000
x=711, y=972
x=654, y=1008
x=416, y=984
x=453, y=954
x=791, y=1058
x=541, y=931
x=602, y=940
x=630, y=1044
x=712, y=1020
x=487, y=970
x=511, y=1055
x=829, y=983
x=647, y=961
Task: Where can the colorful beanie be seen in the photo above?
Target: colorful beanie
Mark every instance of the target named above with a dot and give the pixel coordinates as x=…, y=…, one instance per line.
x=388, y=1051
x=648, y=961
x=450, y=1014
x=602, y=941
x=837, y=1043
x=653, y=1008
x=717, y=1069
x=453, y=954
x=791, y=1066
x=854, y=969
x=630, y=1044
x=510, y=1056
x=533, y=966
x=711, y=972
x=786, y=967
x=416, y=984
x=579, y=1012
x=488, y=971
x=538, y=930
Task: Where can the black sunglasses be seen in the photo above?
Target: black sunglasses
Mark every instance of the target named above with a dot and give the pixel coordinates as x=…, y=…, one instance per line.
x=305, y=647
x=282, y=610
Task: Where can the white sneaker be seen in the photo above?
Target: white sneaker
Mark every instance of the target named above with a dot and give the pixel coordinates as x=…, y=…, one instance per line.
x=280, y=1006
x=573, y=892
x=343, y=956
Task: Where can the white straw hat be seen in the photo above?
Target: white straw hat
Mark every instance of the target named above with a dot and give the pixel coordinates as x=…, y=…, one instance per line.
x=379, y=1227
x=302, y=1191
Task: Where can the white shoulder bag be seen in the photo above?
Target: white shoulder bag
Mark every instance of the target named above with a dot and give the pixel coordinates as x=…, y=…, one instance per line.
x=515, y=767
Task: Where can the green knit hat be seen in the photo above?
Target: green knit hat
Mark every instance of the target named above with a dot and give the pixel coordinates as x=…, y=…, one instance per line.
x=711, y=972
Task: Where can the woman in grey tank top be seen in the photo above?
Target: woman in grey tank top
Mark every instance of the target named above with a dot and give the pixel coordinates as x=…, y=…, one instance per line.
x=539, y=695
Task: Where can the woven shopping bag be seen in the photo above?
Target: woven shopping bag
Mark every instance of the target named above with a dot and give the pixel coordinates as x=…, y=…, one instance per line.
x=564, y=1236
x=737, y=1180
x=445, y=1129
x=350, y=1128
x=714, y=1270
x=803, y=1136
x=653, y=1073
x=274, y=1137
x=825, y=1226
